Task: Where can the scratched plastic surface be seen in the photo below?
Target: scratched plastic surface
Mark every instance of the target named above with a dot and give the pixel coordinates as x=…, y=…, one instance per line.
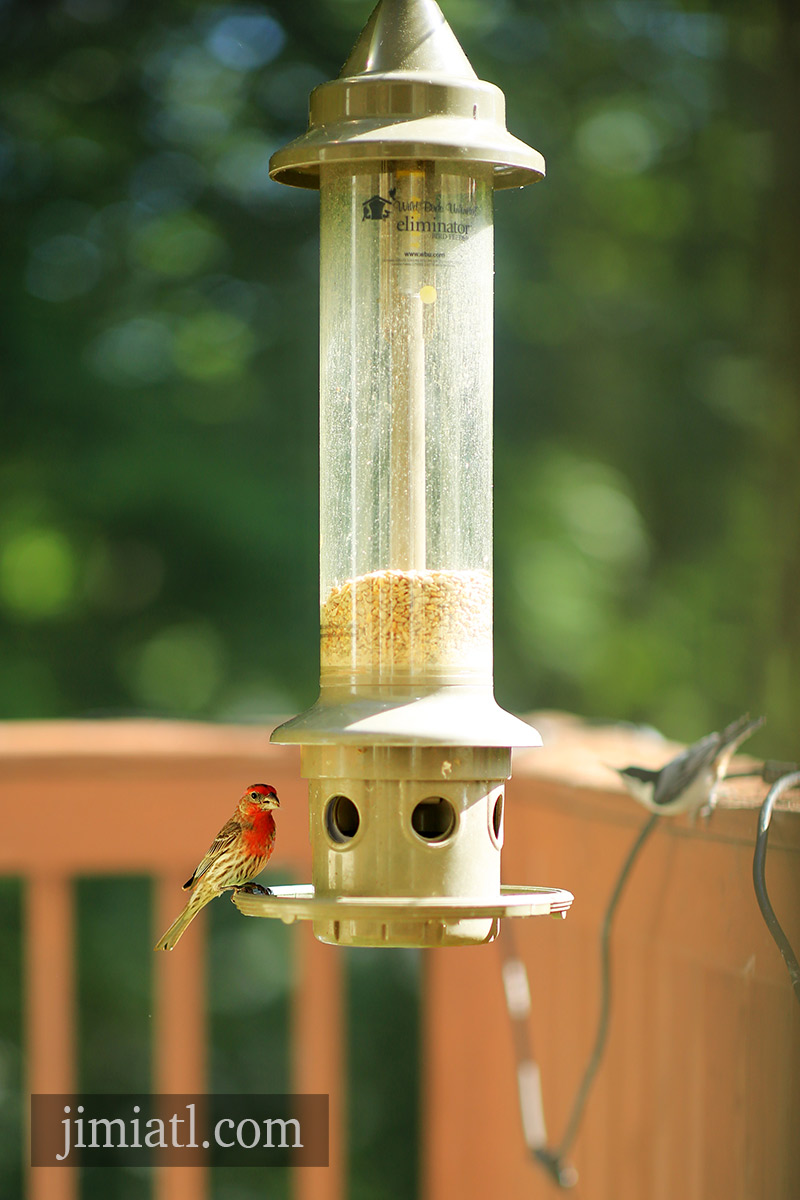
x=406, y=425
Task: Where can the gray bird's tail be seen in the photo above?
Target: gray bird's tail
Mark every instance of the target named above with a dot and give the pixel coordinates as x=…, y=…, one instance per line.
x=737, y=731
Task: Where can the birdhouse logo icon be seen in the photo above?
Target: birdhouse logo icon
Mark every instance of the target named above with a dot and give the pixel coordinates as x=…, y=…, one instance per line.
x=377, y=208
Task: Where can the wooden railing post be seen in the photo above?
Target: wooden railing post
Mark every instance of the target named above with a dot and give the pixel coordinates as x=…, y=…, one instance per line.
x=50, y=1009
x=179, y=1044
x=319, y=1054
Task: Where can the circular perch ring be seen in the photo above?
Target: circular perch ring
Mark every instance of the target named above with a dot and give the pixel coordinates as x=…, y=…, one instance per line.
x=299, y=903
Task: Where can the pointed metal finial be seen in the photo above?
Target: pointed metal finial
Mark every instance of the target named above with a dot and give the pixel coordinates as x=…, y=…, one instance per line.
x=407, y=91
x=407, y=35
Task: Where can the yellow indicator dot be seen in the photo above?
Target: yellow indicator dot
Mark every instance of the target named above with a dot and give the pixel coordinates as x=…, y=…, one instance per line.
x=427, y=294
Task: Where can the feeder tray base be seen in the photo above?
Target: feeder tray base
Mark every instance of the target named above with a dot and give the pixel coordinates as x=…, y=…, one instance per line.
x=403, y=920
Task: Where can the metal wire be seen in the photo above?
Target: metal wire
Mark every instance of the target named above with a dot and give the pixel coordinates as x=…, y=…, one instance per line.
x=529, y=1083
x=595, y=1058
x=552, y=1160
x=760, y=883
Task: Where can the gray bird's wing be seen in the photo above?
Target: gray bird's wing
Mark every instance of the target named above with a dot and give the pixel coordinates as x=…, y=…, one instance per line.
x=677, y=775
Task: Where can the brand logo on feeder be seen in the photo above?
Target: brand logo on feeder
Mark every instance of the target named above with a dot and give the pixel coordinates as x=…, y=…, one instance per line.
x=421, y=216
x=376, y=208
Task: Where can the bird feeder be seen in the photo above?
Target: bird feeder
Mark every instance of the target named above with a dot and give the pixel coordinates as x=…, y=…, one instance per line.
x=406, y=751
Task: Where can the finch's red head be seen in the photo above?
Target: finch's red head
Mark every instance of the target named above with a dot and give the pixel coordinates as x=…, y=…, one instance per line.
x=262, y=794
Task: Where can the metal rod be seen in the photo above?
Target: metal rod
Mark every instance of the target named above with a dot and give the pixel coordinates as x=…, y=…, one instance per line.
x=407, y=488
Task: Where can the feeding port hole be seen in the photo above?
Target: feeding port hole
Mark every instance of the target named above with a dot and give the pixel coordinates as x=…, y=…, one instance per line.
x=434, y=819
x=497, y=820
x=342, y=819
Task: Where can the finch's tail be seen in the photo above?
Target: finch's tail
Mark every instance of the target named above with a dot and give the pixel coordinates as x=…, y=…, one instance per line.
x=169, y=940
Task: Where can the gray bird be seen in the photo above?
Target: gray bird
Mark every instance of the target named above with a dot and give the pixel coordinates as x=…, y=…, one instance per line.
x=688, y=782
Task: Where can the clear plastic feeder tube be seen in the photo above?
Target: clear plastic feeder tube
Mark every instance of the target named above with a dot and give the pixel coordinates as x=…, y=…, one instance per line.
x=406, y=423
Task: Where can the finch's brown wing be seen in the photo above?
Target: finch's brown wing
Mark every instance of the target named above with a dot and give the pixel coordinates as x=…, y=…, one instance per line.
x=226, y=837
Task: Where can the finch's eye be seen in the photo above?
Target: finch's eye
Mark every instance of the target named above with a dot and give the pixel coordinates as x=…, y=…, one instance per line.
x=254, y=796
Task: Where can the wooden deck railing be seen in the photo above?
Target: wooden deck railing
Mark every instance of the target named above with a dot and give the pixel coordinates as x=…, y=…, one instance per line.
x=131, y=797
x=698, y=1095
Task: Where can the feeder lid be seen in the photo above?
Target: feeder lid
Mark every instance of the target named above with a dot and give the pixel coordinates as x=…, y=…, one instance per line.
x=449, y=715
x=407, y=91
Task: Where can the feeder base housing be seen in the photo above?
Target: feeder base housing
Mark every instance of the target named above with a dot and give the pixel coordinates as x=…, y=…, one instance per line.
x=406, y=821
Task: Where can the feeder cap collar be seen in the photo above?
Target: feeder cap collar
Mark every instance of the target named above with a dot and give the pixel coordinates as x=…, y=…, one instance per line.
x=407, y=91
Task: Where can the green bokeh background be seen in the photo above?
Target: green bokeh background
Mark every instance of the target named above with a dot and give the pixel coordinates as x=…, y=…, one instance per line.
x=158, y=446
x=158, y=547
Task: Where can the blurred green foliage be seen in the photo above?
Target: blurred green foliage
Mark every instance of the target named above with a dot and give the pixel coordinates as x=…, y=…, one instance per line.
x=158, y=523
x=158, y=460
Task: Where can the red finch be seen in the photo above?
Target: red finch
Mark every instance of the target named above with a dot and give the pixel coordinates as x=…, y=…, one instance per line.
x=238, y=853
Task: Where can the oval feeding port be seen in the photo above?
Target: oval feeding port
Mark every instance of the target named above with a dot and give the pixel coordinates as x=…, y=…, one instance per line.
x=341, y=819
x=497, y=820
x=434, y=819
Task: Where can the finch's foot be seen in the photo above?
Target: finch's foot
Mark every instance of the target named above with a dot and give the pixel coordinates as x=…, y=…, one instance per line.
x=254, y=889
